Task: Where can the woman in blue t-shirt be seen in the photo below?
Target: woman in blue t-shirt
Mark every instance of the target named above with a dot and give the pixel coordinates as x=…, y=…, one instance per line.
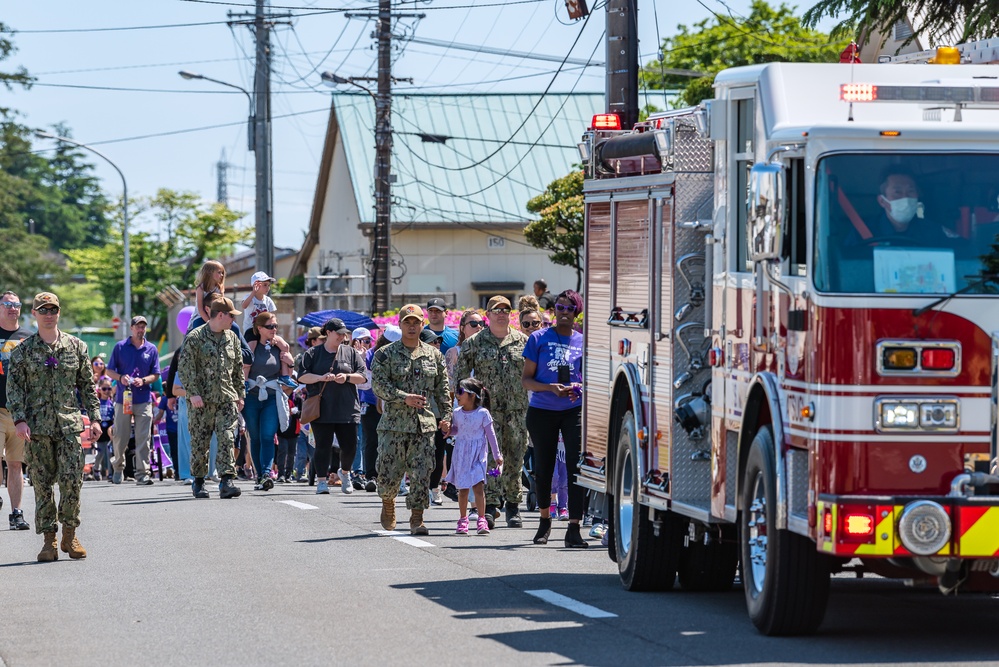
x=553, y=373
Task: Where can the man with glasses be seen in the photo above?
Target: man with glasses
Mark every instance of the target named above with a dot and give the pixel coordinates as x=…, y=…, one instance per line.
x=11, y=446
x=436, y=313
x=50, y=377
x=135, y=365
x=495, y=355
x=212, y=370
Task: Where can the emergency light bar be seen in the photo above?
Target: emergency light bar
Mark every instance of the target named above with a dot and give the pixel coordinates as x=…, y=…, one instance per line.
x=870, y=92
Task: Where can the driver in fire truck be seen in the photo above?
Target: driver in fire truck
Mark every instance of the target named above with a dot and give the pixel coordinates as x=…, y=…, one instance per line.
x=901, y=221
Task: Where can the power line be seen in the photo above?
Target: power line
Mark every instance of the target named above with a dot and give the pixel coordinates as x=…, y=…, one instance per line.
x=354, y=9
x=110, y=29
x=181, y=91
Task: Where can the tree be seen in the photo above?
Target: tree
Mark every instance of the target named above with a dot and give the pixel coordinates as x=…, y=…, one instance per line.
x=768, y=34
x=560, y=227
x=10, y=79
x=971, y=19
x=27, y=266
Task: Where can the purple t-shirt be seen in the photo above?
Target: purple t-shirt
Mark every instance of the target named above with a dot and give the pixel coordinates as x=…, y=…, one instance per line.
x=127, y=359
x=549, y=350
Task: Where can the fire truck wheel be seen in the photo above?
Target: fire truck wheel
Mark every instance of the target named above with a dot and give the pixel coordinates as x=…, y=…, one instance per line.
x=646, y=561
x=785, y=579
x=709, y=567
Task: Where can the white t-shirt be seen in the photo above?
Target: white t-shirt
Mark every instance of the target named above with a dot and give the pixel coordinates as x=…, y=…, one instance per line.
x=256, y=307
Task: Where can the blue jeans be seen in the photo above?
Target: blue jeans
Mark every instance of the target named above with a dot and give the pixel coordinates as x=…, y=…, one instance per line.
x=303, y=451
x=358, y=463
x=261, y=425
x=184, y=444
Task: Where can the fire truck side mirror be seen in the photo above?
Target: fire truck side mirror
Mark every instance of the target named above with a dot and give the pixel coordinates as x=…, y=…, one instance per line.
x=766, y=211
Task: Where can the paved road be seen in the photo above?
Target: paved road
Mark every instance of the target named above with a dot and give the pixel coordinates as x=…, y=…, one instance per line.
x=256, y=580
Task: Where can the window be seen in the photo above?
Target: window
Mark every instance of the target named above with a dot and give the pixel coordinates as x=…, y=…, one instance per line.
x=795, y=248
x=743, y=153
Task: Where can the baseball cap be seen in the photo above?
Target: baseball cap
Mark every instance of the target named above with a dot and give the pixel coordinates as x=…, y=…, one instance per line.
x=428, y=336
x=410, y=310
x=139, y=319
x=392, y=332
x=437, y=303
x=45, y=299
x=336, y=325
x=315, y=333
x=498, y=301
x=360, y=332
x=260, y=277
x=224, y=305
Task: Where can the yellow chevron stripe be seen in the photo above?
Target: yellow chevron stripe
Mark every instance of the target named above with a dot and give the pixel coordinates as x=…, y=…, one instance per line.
x=982, y=539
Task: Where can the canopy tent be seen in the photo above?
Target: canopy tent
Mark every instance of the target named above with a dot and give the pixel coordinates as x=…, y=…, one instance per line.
x=351, y=319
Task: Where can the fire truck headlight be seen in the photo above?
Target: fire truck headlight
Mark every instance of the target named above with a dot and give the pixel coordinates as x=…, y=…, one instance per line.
x=938, y=415
x=896, y=414
x=924, y=527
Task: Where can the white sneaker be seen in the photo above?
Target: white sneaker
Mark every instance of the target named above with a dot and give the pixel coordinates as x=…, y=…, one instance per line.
x=436, y=497
x=322, y=486
x=345, y=485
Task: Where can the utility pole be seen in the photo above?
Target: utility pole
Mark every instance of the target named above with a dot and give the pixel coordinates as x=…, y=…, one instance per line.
x=260, y=23
x=222, y=191
x=622, y=60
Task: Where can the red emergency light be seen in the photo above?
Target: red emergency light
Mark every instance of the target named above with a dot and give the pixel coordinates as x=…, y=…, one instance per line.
x=606, y=121
x=938, y=359
x=858, y=92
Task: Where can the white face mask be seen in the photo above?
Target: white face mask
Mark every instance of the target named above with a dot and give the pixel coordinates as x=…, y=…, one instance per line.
x=903, y=210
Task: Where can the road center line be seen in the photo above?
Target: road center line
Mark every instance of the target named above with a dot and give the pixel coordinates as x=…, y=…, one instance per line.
x=581, y=608
x=301, y=506
x=405, y=539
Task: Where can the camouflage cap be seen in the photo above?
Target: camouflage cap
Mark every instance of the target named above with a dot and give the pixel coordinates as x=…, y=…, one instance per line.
x=410, y=310
x=315, y=333
x=45, y=299
x=499, y=301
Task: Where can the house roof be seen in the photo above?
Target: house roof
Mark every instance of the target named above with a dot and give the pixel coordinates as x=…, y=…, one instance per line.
x=464, y=159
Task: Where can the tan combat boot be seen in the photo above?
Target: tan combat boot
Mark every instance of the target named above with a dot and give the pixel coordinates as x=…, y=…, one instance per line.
x=416, y=525
x=49, y=550
x=70, y=544
x=388, y=513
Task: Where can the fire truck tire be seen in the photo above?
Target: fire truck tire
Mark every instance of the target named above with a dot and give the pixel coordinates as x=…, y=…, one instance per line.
x=646, y=561
x=709, y=567
x=785, y=579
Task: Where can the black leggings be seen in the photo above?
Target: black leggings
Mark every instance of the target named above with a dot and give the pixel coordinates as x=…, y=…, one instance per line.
x=346, y=436
x=441, y=449
x=369, y=424
x=544, y=427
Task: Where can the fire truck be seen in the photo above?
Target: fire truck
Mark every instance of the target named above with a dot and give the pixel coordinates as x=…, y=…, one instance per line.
x=792, y=334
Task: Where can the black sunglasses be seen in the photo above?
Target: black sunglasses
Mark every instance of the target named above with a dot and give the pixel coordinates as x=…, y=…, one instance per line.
x=532, y=325
x=269, y=327
x=561, y=308
x=48, y=310
x=475, y=324
x=501, y=311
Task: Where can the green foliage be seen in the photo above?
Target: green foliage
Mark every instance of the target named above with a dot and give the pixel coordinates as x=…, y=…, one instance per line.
x=27, y=266
x=971, y=19
x=10, y=79
x=560, y=227
x=294, y=285
x=83, y=305
x=768, y=34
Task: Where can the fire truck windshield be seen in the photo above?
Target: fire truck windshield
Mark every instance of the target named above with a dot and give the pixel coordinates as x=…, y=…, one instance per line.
x=913, y=223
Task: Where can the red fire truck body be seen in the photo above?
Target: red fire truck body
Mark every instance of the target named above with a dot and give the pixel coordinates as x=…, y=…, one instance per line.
x=781, y=370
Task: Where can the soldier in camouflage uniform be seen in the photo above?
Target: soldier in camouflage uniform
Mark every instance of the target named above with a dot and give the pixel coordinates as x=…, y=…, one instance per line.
x=405, y=374
x=495, y=355
x=47, y=373
x=212, y=371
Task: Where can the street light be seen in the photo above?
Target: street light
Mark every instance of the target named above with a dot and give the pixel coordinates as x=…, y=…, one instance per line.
x=250, y=138
x=332, y=79
x=124, y=215
x=259, y=144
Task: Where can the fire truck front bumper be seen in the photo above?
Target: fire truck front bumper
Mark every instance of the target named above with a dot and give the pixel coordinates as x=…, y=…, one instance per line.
x=892, y=527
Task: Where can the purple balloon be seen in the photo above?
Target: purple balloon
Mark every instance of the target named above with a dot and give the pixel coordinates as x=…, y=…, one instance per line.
x=184, y=318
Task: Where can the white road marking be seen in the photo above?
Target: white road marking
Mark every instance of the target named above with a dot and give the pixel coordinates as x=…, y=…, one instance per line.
x=581, y=608
x=405, y=539
x=301, y=506
x=692, y=633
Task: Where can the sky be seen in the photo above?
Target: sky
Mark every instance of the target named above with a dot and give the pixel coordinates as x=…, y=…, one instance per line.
x=116, y=88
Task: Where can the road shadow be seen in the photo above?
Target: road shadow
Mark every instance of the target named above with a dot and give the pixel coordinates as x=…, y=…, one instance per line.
x=868, y=621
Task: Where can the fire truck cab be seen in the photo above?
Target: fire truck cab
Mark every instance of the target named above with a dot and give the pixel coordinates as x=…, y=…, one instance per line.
x=792, y=334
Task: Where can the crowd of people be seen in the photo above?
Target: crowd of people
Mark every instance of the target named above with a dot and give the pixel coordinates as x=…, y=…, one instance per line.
x=418, y=410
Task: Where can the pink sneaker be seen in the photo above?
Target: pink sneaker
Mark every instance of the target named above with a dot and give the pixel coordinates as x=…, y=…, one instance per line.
x=553, y=510
x=483, y=526
x=462, y=528
x=563, y=514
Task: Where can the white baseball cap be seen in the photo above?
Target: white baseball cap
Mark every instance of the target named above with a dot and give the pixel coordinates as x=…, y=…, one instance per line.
x=392, y=332
x=261, y=277
x=360, y=332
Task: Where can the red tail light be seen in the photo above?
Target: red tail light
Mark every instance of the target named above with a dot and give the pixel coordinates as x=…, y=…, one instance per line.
x=858, y=525
x=938, y=359
x=606, y=121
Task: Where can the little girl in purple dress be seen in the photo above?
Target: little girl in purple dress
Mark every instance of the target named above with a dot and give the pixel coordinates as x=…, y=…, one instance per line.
x=472, y=428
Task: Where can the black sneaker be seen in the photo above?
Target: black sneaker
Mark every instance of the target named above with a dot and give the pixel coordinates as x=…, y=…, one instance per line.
x=198, y=488
x=371, y=486
x=357, y=483
x=17, y=521
x=229, y=490
x=266, y=484
x=451, y=492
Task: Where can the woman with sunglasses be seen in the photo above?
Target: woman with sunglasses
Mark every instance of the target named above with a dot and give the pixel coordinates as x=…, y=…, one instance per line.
x=98, y=366
x=102, y=464
x=261, y=410
x=553, y=373
x=470, y=324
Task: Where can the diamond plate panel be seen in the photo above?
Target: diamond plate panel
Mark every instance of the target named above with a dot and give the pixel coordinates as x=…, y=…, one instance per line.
x=731, y=467
x=691, y=152
x=797, y=481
